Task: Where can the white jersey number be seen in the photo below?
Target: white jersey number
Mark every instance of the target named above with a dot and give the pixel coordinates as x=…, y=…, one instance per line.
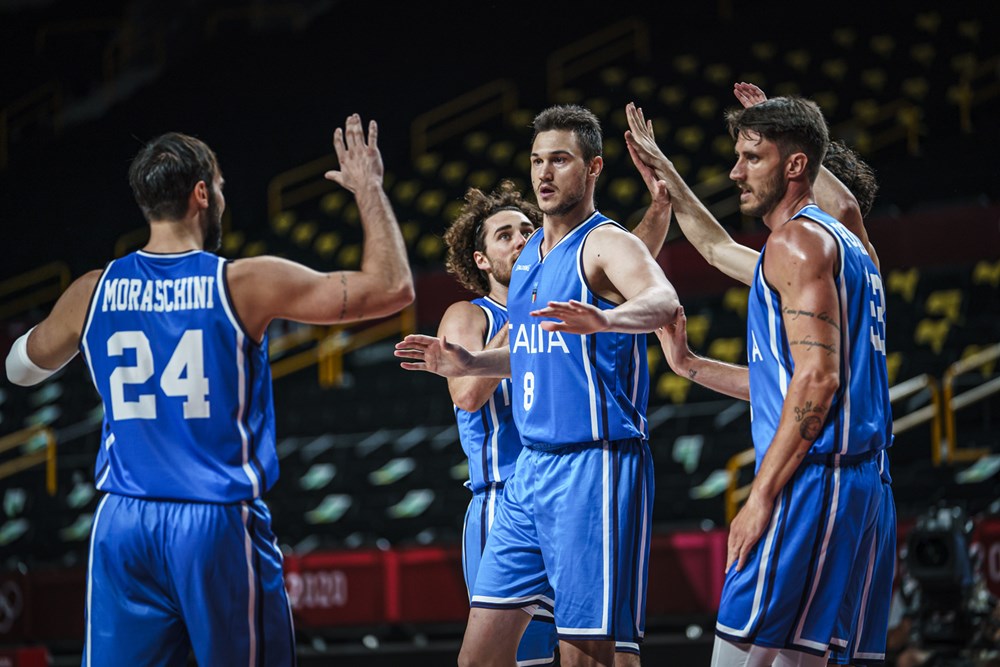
x=184, y=376
x=877, y=305
x=529, y=389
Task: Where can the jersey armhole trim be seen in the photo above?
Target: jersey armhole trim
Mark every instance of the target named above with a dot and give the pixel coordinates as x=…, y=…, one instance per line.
x=234, y=317
x=583, y=272
x=88, y=318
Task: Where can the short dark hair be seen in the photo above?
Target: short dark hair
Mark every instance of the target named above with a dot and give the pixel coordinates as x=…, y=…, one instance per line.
x=165, y=171
x=579, y=120
x=793, y=123
x=466, y=234
x=854, y=173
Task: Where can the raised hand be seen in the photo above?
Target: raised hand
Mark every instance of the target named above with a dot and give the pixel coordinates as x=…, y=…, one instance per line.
x=576, y=317
x=434, y=355
x=640, y=138
x=360, y=160
x=748, y=94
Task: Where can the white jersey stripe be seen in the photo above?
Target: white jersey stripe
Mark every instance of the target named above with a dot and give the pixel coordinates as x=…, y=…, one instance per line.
x=241, y=379
x=251, y=587
x=90, y=578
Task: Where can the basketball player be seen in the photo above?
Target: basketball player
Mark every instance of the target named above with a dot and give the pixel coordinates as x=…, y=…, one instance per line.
x=847, y=185
x=575, y=515
x=182, y=556
x=483, y=242
x=820, y=409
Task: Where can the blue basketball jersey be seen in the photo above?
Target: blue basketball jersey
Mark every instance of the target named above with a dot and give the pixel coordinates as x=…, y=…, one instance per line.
x=488, y=435
x=188, y=413
x=860, y=418
x=570, y=388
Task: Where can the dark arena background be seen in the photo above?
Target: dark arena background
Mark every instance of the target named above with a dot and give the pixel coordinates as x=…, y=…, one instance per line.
x=369, y=506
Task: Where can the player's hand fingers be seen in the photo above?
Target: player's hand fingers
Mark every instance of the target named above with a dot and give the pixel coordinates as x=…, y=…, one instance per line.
x=372, y=134
x=335, y=176
x=352, y=130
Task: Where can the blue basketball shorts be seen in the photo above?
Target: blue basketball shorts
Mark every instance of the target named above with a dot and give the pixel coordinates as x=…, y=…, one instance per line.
x=811, y=562
x=860, y=636
x=538, y=643
x=165, y=578
x=575, y=521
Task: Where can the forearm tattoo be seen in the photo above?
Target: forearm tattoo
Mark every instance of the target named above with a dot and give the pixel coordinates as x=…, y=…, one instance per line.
x=810, y=420
x=343, y=306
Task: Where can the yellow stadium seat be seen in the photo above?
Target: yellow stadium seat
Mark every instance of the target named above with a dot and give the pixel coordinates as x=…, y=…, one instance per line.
x=915, y=87
x=697, y=329
x=671, y=96
x=923, y=53
x=500, y=152
x=798, y=59
x=686, y=63
x=932, y=333
x=482, y=179
x=430, y=247
x=232, y=242
x=690, y=137
x=893, y=361
x=883, y=45
x=845, y=37
x=332, y=203
x=944, y=303
x=326, y=244
x=764, y=50
x=406, y=191
x=903, y=282
x=642, y=86
x=735, y=299
x=454, y=171
x=719, y=73
x=727, y=349
x=928, y=22
x=835, y=68
x=986, y=273
x=705, y=106
x=411, y=232
x=476, y=142
x=282, y=222
x=254, y=249
x=430, y=202
x=349, y=256
x=623, y=190
x=303, y=233
x=986, y=369
x=654, y=356
x=674, y=387
x=875, y=78
x=427, y=163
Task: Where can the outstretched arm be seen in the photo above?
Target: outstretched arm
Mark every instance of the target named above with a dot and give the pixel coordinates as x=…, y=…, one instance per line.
x=620, y=269
x=266, y=288
x=465, y=323
x=696, y=221
x=442, y=357
x=54, y=342
x=717, y=375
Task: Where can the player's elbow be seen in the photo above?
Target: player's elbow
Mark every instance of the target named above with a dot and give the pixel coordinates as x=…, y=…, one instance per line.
x=821, y=382
x=394, y=296
x=467, y=401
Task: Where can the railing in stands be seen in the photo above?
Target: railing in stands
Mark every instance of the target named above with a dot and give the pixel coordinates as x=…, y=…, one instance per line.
x=31, y=459
x=952, y=403
x=736, y=493
x=33, y=288
x=44, y=101
x=326, y=346
x=630, y=36
x=464, y=113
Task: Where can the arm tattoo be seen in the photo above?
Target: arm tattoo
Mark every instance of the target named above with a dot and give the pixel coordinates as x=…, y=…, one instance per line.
x=343, y=306
x=822, y=317
x=808, y=342
x=691, y=373
x=810, y=420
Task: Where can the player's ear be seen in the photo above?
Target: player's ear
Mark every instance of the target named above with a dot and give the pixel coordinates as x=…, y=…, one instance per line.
x=199, y=196
x=796, y=165
x=482, y=261
x=596, y=166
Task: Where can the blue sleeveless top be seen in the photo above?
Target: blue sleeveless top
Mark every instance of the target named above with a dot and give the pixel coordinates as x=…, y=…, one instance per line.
x=570, y=388
x=489, y=436
x=188, y=413
x=859, y=420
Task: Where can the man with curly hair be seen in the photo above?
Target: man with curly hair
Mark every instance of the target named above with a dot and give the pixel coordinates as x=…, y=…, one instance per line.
x=576, y=513
x=483, y=242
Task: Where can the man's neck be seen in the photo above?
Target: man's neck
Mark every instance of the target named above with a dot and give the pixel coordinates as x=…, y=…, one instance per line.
x=795, y=198
x=498, y=292
x=174, y=236
x=556, y=227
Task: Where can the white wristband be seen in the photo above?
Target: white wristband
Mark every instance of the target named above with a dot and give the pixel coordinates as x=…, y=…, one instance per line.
x=21, y=370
